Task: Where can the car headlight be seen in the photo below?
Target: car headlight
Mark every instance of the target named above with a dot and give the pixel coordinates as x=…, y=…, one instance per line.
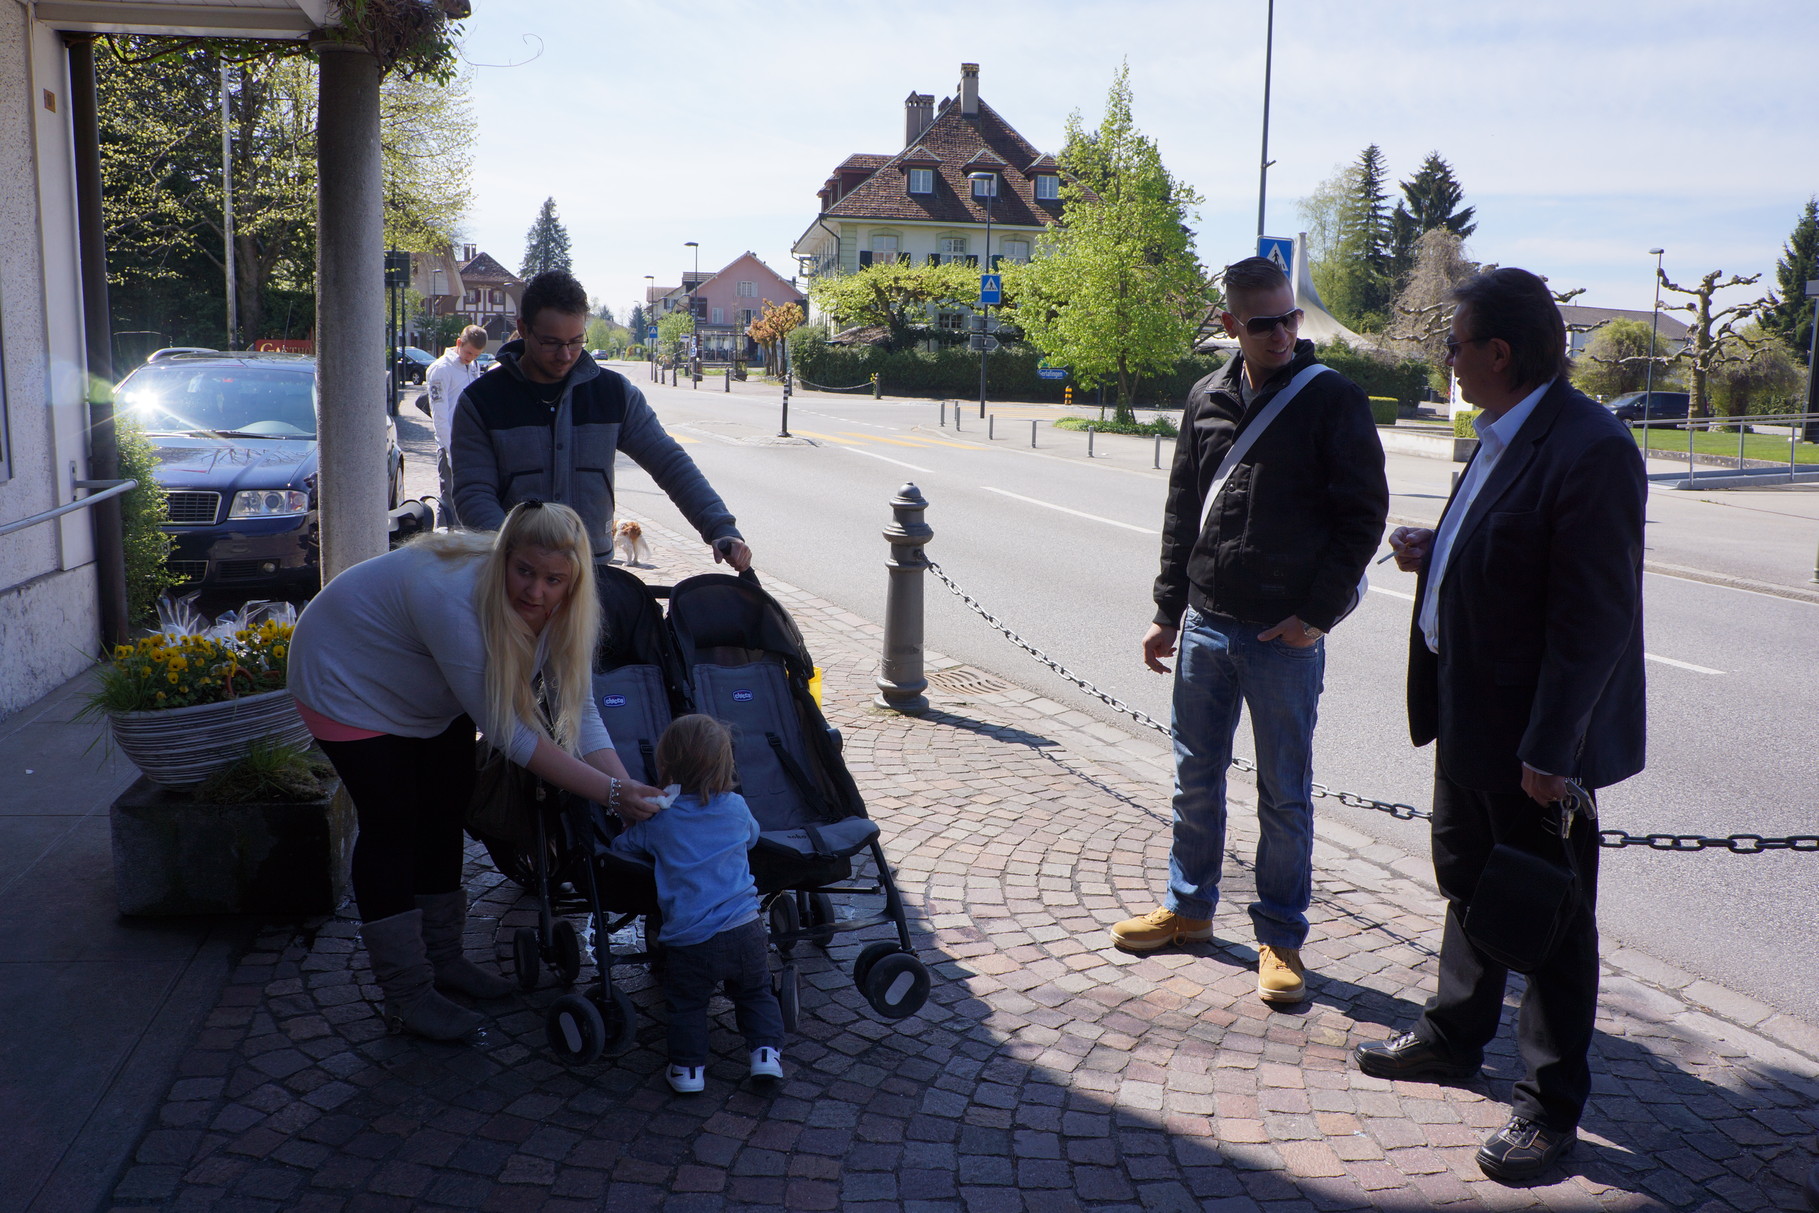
x=269, y=503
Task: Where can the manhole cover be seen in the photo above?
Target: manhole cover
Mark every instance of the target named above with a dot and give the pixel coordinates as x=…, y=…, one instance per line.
x=967, y=682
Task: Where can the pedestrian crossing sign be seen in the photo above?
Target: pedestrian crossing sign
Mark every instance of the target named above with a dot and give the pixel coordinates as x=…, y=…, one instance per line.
x=1279, y=249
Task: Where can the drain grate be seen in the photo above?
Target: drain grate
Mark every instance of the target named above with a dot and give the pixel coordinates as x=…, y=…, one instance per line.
x=967, y=682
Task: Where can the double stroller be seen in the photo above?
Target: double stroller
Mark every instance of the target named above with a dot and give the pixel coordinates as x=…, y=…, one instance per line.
x=729, y=650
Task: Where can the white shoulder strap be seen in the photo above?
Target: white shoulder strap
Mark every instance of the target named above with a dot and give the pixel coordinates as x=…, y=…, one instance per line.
x=1241, y=447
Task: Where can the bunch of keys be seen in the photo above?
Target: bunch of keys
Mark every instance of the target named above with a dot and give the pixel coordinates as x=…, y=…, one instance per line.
x=1576, y=801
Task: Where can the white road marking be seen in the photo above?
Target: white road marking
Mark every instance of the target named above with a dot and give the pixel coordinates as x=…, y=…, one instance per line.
x=859, y=450
x=1141, y=530
x=1682, y=665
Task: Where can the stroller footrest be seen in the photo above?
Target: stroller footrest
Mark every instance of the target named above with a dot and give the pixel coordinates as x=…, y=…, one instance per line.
x=836, y=840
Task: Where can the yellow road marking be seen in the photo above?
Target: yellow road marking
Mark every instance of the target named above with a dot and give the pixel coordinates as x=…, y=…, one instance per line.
x=826, y=437
x=881, y=438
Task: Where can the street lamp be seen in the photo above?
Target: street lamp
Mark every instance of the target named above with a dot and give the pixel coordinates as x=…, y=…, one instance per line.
x=650, y=290
x=694, y=314
x=991, y=194
x=1654, y=324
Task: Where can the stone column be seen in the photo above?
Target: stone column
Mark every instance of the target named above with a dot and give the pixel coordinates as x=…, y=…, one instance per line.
x=350, y=309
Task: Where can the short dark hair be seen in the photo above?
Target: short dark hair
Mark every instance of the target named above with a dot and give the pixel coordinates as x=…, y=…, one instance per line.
x=1517, y=307
x=554, y=290
x=1251, y=277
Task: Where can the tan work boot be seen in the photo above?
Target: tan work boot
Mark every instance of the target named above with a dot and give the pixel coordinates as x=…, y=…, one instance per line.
x=1159, y=928
x=1281, y=977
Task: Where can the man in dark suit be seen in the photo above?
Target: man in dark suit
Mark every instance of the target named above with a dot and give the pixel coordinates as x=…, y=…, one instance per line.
x=1525, y=663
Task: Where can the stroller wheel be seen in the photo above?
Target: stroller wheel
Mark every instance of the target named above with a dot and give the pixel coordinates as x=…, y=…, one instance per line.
x=789, y=997
x=896, y=986
x=619, y=1016
x=577, y=1034
x=565, y=946
x=871, y=955
x=785, y=920
x=527, y=957
x=821, y=914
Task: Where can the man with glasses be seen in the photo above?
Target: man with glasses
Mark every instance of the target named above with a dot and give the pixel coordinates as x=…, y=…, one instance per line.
x=1260, y=559
x=547, y=422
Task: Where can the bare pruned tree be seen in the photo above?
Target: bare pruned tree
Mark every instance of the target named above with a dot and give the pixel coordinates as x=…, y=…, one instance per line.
x=1712, y=338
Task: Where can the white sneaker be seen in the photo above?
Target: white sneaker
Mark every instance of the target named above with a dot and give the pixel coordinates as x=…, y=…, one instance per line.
x=687, y=1080
x=767, y=1062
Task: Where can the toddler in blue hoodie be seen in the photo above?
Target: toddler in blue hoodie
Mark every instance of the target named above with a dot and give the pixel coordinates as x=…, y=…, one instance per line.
x=712, y=934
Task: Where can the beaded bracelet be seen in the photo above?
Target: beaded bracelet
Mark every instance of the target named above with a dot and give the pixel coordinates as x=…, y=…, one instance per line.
x=612, y=795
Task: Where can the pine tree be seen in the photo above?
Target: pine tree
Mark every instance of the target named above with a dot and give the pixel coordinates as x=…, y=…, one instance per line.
x=637, y=322
x=1359, y=285
x=1789, y=314
x=1430, y=199
x=546, y=244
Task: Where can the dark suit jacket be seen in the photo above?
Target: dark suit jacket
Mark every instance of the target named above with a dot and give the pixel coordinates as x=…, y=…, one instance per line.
x=1540, y=611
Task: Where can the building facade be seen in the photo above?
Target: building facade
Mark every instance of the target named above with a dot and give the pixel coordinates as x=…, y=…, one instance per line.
x=920, y=205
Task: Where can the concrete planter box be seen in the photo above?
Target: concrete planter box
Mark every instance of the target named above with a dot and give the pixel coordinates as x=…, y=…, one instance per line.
x=173, y=856
x=1463, y=448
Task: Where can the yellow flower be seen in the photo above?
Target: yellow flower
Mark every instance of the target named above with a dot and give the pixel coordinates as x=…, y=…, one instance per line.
x=121, y=652
x=161, y=694
x=171, y=677
x=277, y=650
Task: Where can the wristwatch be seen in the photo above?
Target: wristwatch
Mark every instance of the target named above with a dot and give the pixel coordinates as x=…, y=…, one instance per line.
x=1310, y=632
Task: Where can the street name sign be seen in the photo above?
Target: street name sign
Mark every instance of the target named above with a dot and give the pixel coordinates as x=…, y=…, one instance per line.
x=991, y=289
x=1051, y=372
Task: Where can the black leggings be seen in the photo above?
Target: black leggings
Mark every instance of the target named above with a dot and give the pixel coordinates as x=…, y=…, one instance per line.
x=409, y=794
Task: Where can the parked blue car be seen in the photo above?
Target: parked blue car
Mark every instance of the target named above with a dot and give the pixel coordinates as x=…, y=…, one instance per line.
x=236, y=439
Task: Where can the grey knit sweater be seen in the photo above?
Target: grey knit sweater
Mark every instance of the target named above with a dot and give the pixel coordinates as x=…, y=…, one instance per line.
x=394, y=645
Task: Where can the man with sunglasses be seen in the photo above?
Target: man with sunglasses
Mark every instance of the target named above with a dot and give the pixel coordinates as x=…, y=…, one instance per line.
x=1259, y=561
x=547, y=423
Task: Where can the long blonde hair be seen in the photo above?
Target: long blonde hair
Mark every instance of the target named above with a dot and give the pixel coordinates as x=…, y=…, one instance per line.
x=511, y=647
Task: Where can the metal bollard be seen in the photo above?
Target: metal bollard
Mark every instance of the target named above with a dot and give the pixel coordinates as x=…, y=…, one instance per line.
x=901, y=682
x=944, y=414
x=991, y=426
x=1089, y=442
x=729, y=380
x=1158, y=462
x=877, y=388
x=956, y=416
x=1032, y=435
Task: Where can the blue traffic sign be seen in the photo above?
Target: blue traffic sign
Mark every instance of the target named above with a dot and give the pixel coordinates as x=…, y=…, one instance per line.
x=1051, y=372
x=1279, y=249
x=650, y=334
x=991, y=288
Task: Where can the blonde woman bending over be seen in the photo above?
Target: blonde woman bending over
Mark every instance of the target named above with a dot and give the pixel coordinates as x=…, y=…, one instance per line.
x=392, y=665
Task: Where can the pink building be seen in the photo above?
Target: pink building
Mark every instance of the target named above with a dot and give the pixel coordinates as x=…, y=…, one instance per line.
x=726, y=303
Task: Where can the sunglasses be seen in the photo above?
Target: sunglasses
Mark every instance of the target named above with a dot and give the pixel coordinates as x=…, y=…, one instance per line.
x=1263, y=326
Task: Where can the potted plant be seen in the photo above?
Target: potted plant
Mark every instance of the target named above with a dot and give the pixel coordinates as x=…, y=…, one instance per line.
x=184, y=704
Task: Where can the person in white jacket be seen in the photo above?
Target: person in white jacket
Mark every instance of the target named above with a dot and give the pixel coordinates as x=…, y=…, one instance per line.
x=447, y=377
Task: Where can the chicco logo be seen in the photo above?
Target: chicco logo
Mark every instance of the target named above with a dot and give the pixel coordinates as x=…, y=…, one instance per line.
x=742, y=696
x=613, y=701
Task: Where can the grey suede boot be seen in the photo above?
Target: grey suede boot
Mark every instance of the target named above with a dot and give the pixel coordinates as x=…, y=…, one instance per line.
x=444, y=919
x=395, y=946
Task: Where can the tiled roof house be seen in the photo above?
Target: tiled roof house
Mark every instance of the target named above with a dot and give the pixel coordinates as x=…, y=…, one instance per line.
x=490, y=293
x=918, y=204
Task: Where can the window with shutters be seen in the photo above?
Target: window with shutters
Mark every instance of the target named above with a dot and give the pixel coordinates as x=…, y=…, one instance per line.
x=884, y=248
x=953, y=248
x=748, y=290
x=1016, y=251
x=922, y=181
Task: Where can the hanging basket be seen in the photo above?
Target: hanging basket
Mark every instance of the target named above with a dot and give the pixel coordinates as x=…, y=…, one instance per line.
x=180, y=746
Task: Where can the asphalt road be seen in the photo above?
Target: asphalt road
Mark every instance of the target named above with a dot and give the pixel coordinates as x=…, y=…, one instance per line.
x=1064, y=550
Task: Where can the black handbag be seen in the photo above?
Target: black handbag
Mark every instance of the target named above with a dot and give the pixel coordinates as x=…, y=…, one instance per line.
x=1524, y=901
x=506, y=799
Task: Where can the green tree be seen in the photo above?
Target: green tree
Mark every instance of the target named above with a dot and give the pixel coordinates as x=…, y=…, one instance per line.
x=1359, y=287
x=1430, y=199
x=638, y=323
x=1115, y=292
x=897, y=297
x=673, y=329
x=1761, y=376
x=1616, y=360
x=546, y=244
x=1789, y=314
x=159, y=114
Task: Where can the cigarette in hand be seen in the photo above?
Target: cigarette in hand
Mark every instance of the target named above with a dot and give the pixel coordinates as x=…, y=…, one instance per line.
x=1385, y=556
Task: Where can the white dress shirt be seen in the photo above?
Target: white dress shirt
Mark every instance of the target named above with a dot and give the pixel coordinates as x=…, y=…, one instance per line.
x=1494, y=438
x=446, y=379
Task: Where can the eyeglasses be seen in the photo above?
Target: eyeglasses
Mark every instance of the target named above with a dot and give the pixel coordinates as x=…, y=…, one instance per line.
x=1263, y=326
x=1452, y=347
x=551, y=345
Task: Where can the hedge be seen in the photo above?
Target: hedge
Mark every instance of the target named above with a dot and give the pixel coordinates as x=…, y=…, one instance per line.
x=1383, y=410
x=1405, y=381
x=1462, y=423
x=952, y=372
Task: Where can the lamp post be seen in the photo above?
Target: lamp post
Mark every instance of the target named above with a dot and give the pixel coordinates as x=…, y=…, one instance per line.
x=1653, y=324
x=694, y=314
x=650, y=347
x=1263, y=171
x=985, y=267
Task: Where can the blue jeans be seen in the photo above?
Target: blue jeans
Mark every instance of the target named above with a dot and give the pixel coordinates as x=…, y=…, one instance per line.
x=1221, y=666
x=736, y=961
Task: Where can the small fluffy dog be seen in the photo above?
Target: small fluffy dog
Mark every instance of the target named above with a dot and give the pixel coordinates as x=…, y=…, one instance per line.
x=628, y=543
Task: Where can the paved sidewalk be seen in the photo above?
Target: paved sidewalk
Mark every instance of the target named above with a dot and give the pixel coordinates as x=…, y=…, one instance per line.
x=1047, y=1072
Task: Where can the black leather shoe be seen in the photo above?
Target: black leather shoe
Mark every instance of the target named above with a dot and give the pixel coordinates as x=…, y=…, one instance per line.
x=1522, y=1150
x=1408, y=1056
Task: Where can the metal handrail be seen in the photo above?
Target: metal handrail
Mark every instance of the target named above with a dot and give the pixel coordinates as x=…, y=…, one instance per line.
x=110, y=488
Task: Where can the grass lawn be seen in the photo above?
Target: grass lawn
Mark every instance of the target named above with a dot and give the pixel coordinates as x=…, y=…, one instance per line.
x=1771, y=448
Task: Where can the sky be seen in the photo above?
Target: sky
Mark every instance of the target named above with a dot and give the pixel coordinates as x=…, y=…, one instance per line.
x=1586, y=132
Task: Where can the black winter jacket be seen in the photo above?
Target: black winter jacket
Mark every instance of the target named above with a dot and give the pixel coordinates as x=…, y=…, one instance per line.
x=1298, y=520
x=509, y=446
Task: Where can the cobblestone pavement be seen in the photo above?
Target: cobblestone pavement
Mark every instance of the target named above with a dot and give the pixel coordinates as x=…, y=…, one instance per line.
x=1047, y=1072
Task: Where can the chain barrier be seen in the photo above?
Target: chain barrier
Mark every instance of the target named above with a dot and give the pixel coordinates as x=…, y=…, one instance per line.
x=857, y=387
x=1737, y=844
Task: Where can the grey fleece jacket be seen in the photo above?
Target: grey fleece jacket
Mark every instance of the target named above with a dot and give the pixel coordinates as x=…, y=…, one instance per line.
x=394, y=645
x=515, y=439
